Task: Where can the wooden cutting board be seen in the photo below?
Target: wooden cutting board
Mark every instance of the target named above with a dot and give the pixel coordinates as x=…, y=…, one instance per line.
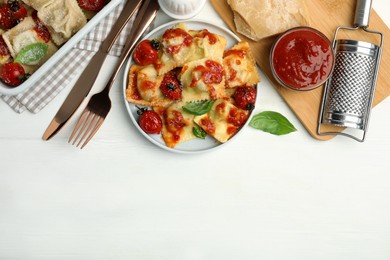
x=326, y=16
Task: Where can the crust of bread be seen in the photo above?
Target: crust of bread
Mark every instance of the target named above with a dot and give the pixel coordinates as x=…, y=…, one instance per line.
x=267, y=17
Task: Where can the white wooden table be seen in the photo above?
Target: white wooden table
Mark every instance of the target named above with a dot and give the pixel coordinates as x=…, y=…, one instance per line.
x=260, y=197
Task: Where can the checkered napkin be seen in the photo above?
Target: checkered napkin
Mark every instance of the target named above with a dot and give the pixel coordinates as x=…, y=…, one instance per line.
x=50, y=85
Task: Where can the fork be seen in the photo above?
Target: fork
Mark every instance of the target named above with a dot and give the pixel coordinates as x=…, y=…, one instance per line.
x=99, y=105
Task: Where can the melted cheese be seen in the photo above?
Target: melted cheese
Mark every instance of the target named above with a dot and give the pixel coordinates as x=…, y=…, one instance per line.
x=177, y=124
x=202, y=79
x=240, y=67
x=223, y=120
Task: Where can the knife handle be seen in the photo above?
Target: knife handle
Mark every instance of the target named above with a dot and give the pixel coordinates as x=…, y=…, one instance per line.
x=144, y=18
x=127, y=12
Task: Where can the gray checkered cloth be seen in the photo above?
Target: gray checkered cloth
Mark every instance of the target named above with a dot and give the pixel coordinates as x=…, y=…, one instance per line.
x=66, y=69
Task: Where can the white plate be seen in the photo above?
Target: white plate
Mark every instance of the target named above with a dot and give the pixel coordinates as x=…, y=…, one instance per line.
x=195, y=145
x=4, y=89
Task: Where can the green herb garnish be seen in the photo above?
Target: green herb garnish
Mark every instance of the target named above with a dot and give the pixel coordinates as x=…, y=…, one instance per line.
x=199, y=132
x=32, y=54
x=198, y=108
x=272, y=122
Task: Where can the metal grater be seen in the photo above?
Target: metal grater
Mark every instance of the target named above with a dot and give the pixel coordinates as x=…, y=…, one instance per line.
x=349, y=92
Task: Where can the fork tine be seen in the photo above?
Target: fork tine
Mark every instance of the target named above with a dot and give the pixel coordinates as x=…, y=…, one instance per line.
x=85, y=123
x=77, y=127
x=88, y=124
x=93, y=132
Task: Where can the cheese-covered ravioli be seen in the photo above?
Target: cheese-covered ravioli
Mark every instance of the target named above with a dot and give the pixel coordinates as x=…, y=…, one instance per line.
x=177, y=47
x=207, y=45
x=177, y=124
x=144, y=87
x=223, y=120
x=240, y=67
x=63, y=18
x=23, y=35
x=202, y=79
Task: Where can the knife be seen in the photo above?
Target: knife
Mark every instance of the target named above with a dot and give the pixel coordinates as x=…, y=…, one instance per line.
x=88, y=77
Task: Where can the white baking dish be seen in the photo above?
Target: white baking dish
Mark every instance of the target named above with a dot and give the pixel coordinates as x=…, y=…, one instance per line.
x=8, y=91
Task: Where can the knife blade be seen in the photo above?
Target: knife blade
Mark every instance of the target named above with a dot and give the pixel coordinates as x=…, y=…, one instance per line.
x=88, y=77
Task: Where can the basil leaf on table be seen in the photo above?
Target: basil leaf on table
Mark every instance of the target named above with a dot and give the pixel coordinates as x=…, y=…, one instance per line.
x=272, y=122
x=198, y=108
x=199, y=132
x=32, y=54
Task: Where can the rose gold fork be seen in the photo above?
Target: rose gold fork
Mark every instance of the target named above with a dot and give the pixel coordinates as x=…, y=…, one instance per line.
x=99, y=105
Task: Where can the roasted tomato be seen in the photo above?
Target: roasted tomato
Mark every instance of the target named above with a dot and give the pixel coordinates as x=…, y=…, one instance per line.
x=92, y=5
x=19, y=12
x=149, y=121
x=6, y=19
x=12, y=74
x=145, y=53
x=170, y=86
x=245, y=97
x=11, y=13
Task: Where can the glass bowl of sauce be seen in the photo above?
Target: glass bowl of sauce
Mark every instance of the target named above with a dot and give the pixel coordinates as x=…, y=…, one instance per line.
x=302, y=58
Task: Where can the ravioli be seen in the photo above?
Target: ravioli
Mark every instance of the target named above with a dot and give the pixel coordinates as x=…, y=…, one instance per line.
x=207, y=45
x=62, y=17
x=207, y=72
x=177, y=124
x=176, y=48
x=202, y=79
x=23, y=35
x=144, y=87
x=223, y=120
x=240, y=66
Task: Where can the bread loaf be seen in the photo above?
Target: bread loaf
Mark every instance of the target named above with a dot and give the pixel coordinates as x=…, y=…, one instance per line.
x=258, y=19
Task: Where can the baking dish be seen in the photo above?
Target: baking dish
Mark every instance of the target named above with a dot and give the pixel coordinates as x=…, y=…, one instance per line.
x=62, y=51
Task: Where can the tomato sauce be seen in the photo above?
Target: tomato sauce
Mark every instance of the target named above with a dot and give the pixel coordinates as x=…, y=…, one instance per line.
x=211, y=73
x=208, y=125
x=237, y=118
x=40, y=28
x=211, y=37
x=174, y=33
x=238, y=53
x=135, y=93
x=302, y=58
x=175, y=123
x=3, y=47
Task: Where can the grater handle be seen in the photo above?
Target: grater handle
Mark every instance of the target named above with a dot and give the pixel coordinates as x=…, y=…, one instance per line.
x=362, y=13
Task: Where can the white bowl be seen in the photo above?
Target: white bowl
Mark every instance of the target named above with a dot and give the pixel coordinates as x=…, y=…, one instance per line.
x=11, y=91
x=181, y=9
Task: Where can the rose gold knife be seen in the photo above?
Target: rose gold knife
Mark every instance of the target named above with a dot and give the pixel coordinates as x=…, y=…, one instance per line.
x=88, y=77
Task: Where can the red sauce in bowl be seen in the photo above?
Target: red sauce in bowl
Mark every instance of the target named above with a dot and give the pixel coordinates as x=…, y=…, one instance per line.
x=302, y=58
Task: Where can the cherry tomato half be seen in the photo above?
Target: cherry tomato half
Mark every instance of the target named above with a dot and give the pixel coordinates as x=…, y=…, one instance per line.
x=245, y=97
x=6, y=19
x=150, y=122
x=12, y=74
x=11, y=13
x=92, y=5
x=145, y=54
x=170, y=86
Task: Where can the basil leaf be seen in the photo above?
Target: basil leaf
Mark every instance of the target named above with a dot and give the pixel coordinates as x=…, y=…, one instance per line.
x=198, y=108
x=32, y=54
x=199, y=132
x=272, y=122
